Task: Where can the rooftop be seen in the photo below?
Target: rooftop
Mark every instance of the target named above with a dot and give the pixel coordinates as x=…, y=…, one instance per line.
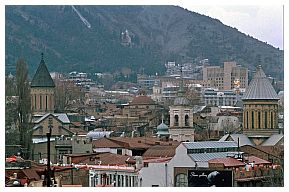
x=42, y=77
x=210, y=144
x=260, y=87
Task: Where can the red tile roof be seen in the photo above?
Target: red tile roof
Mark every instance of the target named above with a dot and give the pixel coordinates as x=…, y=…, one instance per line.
x=106, y=143
x=142, y=100
x=227, y=162
x=100, y=158
x=160, y=151
x=258, y=160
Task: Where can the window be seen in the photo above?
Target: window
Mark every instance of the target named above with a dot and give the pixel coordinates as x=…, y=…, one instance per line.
x=40, y=102
x=247, y=120
x=266, y=119
x=176, y=122
x=45, y=102
x=272, y=120
x=187, y=120
x=119, y=151
x=259, y=119
x=252, y=120
x=181, y=180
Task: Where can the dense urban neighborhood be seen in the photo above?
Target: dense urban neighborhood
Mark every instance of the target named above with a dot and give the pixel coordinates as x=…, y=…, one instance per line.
x=197, y=123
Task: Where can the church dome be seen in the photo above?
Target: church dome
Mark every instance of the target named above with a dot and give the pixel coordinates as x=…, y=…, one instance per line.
x=162, y=127
x=181, y=101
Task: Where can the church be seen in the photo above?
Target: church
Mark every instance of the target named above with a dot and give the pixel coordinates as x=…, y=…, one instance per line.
x=260, y=113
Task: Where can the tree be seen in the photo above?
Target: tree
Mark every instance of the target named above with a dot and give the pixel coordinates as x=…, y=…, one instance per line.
x=24, y=104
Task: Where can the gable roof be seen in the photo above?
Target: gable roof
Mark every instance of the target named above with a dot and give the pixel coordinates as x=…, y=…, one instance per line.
x=42, y=77
x=243, y=139
x=260, y=87
x=62, y=117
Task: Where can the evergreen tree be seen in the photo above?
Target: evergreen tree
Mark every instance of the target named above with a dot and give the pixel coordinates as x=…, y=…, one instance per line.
x=24, y=104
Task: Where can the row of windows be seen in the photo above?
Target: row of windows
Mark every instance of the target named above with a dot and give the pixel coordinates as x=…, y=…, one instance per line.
x=176, y=122
x=211, y=150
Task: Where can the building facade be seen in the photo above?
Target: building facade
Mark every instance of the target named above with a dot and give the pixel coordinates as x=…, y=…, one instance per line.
x=223, y=78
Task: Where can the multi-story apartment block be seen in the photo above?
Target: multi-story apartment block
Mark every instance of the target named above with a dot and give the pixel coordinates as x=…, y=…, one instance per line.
x=223, y=78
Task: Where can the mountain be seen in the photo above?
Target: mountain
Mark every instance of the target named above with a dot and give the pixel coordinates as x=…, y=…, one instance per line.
x=94, y=39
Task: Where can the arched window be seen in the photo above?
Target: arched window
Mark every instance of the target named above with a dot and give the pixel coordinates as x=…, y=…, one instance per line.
x=187, y=123
x=176, y=122
x=181, y=180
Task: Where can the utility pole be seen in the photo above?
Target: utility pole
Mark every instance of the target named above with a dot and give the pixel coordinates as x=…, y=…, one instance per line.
x=50, y=126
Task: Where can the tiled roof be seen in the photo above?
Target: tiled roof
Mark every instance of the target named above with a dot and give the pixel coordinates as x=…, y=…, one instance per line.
x=130, y=143
x=258, y=160
x=205, y=157
x=260, y=87
x=42, y=77
x=209, y=144
x=160, y=151
x=101, y=158
x=228, y=162
x=243, y=139
x=142, y=100
x=106, y=143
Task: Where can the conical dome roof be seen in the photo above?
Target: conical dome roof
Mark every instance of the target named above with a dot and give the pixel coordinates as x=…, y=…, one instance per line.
x=260, y=87
x=162, y=127
x=42, y=77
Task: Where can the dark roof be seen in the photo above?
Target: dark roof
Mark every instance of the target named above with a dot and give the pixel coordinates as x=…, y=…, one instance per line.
x=260, y=87
x=42, y=77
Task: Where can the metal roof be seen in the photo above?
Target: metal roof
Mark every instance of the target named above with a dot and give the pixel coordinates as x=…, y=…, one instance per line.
x=260, y=87
x=273, y=140
x=209, y=144
x=243, y=139
x=205, y=157
x=61, y=116
x=42, y=77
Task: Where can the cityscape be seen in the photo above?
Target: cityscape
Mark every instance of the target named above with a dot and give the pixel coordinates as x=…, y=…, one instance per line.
x=144, y=111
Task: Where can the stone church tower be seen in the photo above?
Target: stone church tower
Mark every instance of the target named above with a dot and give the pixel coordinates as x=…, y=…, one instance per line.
x=42, y=90
x=260, y=114
x=181, y=118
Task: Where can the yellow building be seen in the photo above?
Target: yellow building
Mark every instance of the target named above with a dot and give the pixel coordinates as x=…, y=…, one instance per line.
x=42, y=90
x=260, y=114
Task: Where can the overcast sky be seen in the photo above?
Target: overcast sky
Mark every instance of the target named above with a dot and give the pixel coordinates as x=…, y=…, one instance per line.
x=262, y=22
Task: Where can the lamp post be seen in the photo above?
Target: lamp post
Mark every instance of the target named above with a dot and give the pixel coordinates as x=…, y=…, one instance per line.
x=50, y=126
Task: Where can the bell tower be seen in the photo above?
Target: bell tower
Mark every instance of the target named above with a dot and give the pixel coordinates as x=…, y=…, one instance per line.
x=42, y=90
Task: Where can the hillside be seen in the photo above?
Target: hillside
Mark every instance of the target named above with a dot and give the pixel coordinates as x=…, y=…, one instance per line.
x=158, y=34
